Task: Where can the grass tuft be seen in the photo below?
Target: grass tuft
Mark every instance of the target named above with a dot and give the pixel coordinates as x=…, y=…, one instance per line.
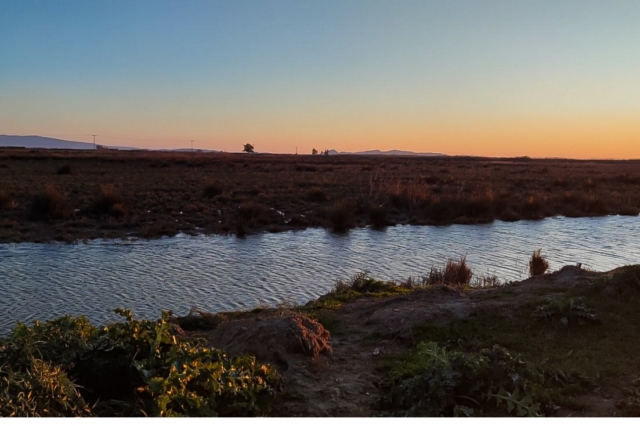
x=108, y=202
x=538, y=265
x=212, y=189
x=47, y=205
x=5, y=200
x=341, y=216
x=454, y=273
x=65, y=170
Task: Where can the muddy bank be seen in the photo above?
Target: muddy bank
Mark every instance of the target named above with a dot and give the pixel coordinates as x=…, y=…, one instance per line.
x=69, y=196
x=338, y=355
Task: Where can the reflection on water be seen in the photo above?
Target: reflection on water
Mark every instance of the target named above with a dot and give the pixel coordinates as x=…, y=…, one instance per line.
x=214, y=273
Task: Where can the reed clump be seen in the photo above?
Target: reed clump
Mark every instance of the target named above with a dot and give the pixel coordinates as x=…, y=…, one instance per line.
x=108, y=201
x=5, y=200
x=65, y=170
x=47, y=205
x=341, y=216
x=212, y=189
x=538, y=265
x=454, y=273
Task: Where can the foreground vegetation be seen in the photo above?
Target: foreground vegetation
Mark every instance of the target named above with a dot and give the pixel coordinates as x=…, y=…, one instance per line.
x=67, y=367
x=557, y=344
x=58, y=195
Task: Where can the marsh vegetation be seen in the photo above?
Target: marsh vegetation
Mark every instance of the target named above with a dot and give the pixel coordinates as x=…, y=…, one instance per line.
x=67, y=195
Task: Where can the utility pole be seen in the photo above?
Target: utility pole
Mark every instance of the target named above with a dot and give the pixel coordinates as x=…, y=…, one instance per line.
x=94, y=141
x=296, y=150
x=191, y=145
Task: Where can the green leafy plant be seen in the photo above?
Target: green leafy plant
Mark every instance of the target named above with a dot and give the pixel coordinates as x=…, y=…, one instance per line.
x=441, y=382
x=566, y=310
x=135, y=367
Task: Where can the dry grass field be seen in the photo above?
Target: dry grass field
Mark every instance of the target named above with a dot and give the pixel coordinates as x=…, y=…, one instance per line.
x=68, y=196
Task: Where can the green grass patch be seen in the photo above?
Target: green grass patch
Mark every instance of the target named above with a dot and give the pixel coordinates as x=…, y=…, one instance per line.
x=358, y=286
x=575, y=342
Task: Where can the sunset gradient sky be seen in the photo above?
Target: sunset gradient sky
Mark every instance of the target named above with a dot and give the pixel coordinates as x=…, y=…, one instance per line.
x=493, y=78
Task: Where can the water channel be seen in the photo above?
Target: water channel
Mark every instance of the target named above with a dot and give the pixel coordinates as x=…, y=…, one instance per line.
x=218, y=273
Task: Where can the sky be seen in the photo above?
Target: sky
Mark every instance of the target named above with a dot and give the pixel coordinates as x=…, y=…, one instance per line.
x=491, y=78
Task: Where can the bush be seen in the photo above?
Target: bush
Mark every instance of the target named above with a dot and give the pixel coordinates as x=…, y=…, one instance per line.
x=316, y=195
x=454, y=273
x=5, y=200
x=129, y=368
x=107, y=202
x=64, y=170
x=212, y=189
x=41, y=390
x=378, y=217
x=538, y=265
x=47, y=205
x=490, y=382
x=340, y=216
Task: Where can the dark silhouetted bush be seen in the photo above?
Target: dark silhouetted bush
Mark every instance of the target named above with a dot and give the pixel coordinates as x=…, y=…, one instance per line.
x=454, y=273
x=47, y=205
x=212, y=189
x=340, y=216
x=378, y=217
x=64, y=170
x=5, y=200
x=317, y=195
x=107, y=202
x=538, y=265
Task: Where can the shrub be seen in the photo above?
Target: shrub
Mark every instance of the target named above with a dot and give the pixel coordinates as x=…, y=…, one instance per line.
x=5, y=200
x=49, y=204
x=64, y=170
x=378, y=217
x=129, y=368
x=316, y=195
x=538, y=265
x=41, y=390
x=340, y=216
x=454, y=273
x=440, y=382
x=212, y=189
x=255, y=214
x=108, y=201
x=566, y=310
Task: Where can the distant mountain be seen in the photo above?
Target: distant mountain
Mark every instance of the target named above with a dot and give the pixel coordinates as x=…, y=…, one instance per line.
x=41, y=142
x=189, y=150
x=50, y=143
x=392, y=152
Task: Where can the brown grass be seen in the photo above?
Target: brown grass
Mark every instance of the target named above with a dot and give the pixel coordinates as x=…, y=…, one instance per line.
x=47, y=205
x=108, y=202
x=200, y=192
x=340, y=216
x=5, y=200
x=454, y=273
x=538, y=265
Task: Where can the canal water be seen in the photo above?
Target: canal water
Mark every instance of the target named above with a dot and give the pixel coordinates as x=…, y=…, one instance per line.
x=218, y=273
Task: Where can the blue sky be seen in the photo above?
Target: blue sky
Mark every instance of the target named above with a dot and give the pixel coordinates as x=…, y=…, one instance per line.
x=540, y=78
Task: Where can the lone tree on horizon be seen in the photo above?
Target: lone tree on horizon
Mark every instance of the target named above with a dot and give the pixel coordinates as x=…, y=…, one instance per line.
x=248, y=148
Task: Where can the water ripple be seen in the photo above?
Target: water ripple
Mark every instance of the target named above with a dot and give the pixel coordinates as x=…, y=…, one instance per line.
x=215, y=273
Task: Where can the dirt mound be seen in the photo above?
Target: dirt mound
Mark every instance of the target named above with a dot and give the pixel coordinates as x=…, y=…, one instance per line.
x=272, y=337
x=624, y=282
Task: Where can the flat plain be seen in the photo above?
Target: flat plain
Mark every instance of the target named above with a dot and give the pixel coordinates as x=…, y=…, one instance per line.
x=73, y=195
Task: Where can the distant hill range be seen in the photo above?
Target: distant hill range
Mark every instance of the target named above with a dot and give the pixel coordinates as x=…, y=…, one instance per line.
x=52, y=143
x=392, y=152
x=49, y=143
x=41, y=142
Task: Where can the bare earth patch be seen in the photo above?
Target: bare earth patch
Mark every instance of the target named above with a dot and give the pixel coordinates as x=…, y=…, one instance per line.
x=338, y=374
